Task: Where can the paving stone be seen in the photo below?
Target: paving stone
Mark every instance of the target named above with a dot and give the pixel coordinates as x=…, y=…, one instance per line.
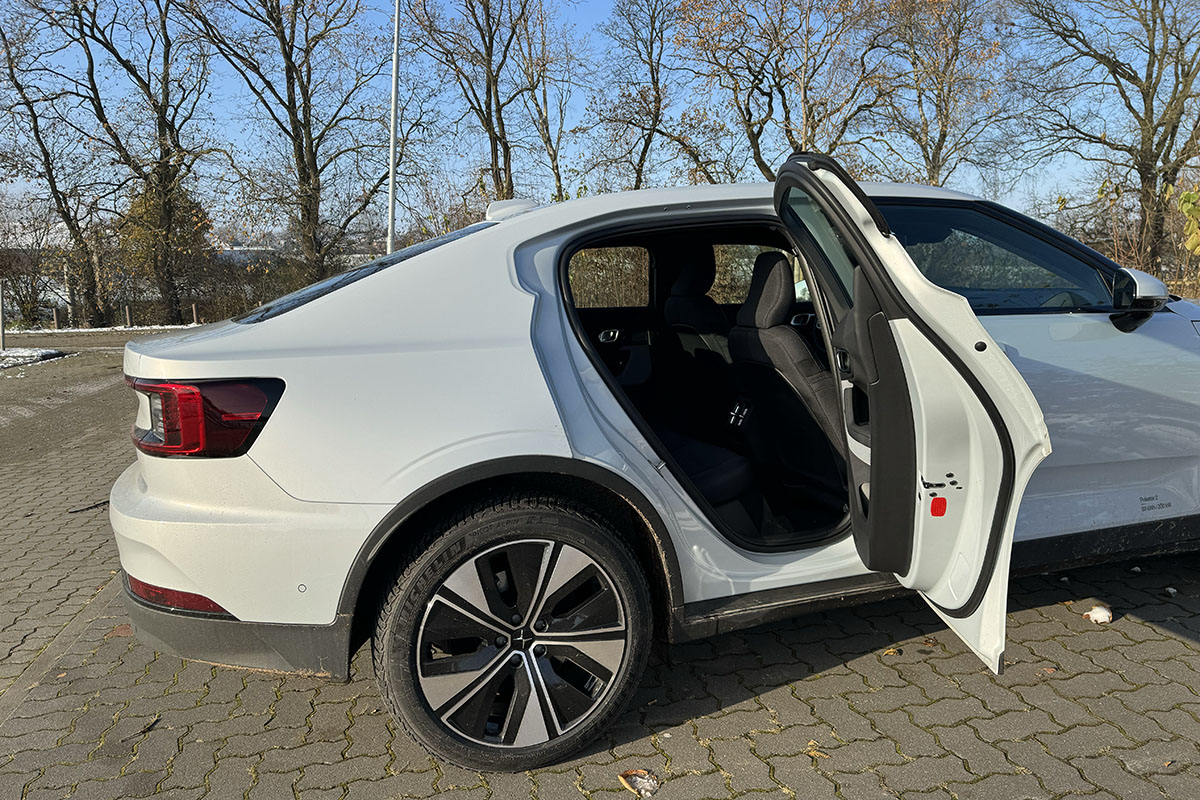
x=1009, y=787
x=745, y=771
x=1058, y=776
x=854, y=756
x=801, y=777
x=982, y=758
x=344, y=771
x=1107, y=772
x=1014, y=725
x=949, y=712
x=1084, y=740
x=912, y=741
x=924, y=774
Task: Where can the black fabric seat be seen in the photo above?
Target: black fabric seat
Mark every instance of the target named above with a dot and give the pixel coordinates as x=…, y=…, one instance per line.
x=720, y=475
x=694, y=380
x=786, y=400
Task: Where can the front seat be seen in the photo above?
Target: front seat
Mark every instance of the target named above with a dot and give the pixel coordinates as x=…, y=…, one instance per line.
x=786, y=408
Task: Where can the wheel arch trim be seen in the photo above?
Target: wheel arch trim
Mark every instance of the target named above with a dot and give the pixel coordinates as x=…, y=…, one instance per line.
x=666, y=570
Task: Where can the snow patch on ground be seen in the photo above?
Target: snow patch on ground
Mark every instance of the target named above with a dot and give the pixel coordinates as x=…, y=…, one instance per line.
x=20, y=356
x=45, y=331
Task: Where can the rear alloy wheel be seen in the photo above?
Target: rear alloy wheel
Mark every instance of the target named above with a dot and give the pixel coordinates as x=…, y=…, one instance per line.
x=515, y=637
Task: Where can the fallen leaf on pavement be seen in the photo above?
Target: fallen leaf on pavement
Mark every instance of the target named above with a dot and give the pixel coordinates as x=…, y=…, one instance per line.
x=121, y=630
x=641, y=782
x=893, y=651
x=1049, y=669
x=930, y=641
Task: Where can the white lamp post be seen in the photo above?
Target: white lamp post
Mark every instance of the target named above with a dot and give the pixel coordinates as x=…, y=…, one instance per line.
x=391, y=232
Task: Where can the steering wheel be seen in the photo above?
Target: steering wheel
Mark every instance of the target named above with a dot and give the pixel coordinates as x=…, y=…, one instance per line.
x=1064, y=299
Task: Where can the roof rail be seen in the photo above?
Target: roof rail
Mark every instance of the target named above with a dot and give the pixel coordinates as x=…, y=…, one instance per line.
x=503, y=209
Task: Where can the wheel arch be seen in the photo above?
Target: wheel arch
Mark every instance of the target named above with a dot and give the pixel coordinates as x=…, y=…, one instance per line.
x=598, y=488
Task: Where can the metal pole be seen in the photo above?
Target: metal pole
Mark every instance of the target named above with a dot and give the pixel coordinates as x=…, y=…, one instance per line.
x=1, y=317
x=391, y=231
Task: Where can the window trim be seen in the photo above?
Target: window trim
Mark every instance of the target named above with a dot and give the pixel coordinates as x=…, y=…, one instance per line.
x=1039, y=230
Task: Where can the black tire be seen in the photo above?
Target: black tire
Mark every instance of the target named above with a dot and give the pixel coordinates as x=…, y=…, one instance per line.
x=513, y=693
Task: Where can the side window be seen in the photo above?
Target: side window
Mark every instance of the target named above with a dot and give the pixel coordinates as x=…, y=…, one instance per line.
x=610, y=277
x=799, y=212
x=735, y=268
x=995, y=265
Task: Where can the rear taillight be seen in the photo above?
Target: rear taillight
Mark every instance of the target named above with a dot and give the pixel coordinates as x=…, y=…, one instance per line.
x=211, y=419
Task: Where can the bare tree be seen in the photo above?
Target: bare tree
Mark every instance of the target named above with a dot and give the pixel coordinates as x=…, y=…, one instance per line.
x=1114, y=82
x=551, y=64
x=951, y=103
x=28, y=251
x=790, y=75
x=476, y=45
x=312, y=70
x=52, y=154
x=631, y=106
x=137, y=79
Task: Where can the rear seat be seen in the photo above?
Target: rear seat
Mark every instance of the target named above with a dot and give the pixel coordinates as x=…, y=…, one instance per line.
x=719, y=475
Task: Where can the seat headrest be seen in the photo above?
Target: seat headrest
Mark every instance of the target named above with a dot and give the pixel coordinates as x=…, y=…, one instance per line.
x=772, y=292
x=697, y=271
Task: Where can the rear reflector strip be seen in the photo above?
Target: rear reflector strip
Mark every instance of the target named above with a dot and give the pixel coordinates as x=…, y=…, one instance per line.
x=173, y=599
x=937, y=507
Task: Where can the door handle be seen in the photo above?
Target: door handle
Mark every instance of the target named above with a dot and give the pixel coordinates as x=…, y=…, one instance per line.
x=609, y=336
x=842, y=359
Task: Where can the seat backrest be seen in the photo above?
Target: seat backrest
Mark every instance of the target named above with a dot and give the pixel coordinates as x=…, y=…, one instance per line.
x=776, y=373
x=695, y=318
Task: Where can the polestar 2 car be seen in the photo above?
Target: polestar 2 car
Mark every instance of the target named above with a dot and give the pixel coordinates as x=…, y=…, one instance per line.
x=516, y=456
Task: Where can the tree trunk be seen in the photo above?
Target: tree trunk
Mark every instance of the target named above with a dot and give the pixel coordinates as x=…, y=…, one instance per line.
x=1152, y=222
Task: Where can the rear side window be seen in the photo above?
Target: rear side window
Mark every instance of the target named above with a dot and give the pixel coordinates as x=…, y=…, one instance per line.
x=997, y=266
x=610, y=277
x=335, y=282
x=735, y=268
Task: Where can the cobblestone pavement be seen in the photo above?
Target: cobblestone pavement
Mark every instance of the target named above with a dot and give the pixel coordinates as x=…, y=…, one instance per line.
x=872, y=702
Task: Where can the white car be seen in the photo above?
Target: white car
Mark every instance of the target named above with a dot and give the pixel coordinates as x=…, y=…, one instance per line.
x=517, y=455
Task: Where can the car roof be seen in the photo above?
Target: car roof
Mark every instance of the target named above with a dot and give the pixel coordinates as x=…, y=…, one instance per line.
x=736, y=193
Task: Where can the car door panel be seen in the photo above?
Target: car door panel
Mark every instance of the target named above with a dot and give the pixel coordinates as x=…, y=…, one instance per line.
x=941, y=403
x=1124, y=412
x=622, y=339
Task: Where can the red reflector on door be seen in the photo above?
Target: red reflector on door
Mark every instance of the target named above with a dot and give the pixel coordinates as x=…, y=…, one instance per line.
x=937, y=507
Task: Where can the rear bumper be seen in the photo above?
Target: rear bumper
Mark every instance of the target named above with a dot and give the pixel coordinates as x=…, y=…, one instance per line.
x=319, y=650
x=222, y=529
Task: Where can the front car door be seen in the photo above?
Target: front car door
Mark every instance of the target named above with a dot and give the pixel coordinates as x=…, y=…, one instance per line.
x=1122, y=407
x=942, y=432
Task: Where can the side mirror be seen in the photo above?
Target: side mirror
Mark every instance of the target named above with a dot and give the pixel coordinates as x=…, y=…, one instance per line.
x=1136, y=296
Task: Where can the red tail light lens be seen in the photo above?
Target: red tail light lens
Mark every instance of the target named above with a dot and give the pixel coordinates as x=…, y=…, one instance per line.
x=211, y=419
x=173, y=598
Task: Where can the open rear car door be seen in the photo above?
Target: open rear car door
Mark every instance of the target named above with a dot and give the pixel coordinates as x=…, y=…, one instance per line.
x=942, y=432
